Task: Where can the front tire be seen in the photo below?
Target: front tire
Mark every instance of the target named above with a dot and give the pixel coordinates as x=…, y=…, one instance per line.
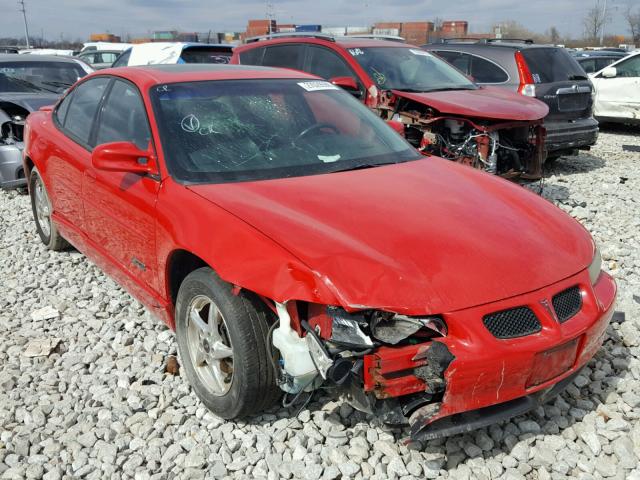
x=222, y=341
x=42, y=208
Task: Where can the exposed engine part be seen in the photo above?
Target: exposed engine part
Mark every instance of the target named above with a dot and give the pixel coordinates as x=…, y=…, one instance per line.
x=319, y=355
x=341, y=370
x=510, y=148
x=346, y=329
x=299, y=370
x=12, y=119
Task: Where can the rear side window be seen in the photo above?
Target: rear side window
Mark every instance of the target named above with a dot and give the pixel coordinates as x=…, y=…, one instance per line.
x=252, y=57
x=123, y=117
x=284, y=56
x=82, y=110
x=484, y=71
x=603, y=62
x=107, y=57
x=327, y=64
x=549, y=65
x=61, y=111
x=457, y=59
x=589, y=65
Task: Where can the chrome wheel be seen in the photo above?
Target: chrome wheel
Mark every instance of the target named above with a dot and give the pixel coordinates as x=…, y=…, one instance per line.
x=42, y=207
x=210, y=349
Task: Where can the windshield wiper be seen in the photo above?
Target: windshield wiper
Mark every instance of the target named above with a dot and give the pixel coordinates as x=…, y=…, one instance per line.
x=26, y=83
x=58, y=84
x=362, y=166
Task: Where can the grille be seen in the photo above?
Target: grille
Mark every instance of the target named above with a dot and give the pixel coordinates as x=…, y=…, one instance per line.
x=512, y=323
x=567, y=303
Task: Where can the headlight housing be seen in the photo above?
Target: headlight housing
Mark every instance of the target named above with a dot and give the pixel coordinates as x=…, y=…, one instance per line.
x=596, y=267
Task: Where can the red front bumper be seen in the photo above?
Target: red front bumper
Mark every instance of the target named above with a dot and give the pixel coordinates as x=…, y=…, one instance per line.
x=488, y=371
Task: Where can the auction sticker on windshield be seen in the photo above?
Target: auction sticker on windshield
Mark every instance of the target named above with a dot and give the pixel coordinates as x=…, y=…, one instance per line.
x=317, y=85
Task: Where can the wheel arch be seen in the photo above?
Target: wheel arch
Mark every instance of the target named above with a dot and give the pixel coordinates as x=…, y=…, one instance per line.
x=28, y=166
x=180, y=263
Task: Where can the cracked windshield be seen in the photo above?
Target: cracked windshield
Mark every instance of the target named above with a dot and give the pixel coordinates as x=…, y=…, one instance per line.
x=227, y=131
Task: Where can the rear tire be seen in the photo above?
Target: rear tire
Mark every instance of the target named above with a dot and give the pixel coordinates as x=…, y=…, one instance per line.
x=222, y=341
x=41, y=207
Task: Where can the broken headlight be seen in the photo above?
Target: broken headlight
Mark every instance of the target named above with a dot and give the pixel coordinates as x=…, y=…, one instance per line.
x=595, y=267
x=393, y=328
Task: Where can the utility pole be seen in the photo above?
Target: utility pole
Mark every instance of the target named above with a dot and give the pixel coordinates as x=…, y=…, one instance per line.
x=269, y=14
x=604, y=21
x=24, y=16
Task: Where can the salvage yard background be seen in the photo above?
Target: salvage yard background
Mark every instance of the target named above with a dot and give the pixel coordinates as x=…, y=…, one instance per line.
x=84, y=390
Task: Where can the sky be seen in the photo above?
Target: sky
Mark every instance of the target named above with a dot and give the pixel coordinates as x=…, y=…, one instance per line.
x=78, y=18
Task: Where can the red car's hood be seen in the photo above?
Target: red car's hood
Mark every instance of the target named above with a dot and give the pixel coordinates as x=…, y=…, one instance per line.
x=427, y=236
x=485, y=102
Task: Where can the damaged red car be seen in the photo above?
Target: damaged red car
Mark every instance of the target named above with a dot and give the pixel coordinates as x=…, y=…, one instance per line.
x=442, y=112
x=293, y=241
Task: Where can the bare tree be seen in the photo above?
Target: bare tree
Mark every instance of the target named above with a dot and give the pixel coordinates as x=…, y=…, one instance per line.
x=632, y=16
x=554, y=35
x=594, y=21
x=513, y=29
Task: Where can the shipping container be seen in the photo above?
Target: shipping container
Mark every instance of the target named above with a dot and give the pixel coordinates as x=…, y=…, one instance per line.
x=308, y=28
x=387, y=25
x=386, y=31
x=104, y=37
x=335, y=31
x=358, y=30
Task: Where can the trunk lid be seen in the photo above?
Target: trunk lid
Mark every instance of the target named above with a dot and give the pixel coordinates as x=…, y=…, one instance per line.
x=560, y=82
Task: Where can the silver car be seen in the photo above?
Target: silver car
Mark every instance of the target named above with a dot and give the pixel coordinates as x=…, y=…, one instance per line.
x=27, y=83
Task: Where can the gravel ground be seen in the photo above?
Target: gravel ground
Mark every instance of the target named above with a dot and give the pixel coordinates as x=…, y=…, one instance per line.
x=101, y=405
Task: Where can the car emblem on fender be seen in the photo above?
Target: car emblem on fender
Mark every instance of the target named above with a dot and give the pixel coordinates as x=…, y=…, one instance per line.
x=190, y=123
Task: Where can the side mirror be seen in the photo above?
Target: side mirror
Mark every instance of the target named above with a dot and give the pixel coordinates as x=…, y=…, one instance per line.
x=397, y=126
x=347, y=83
x=123, y=157
x=610, y=72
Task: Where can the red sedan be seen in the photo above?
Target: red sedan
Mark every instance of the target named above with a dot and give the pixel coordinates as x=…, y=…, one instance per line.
x=293, y=240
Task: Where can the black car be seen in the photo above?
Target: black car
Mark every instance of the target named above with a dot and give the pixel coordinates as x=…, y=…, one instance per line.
x=546, y=72
x=593, y=61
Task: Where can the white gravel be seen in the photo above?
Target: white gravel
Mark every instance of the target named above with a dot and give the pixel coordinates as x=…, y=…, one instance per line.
x=83, y=393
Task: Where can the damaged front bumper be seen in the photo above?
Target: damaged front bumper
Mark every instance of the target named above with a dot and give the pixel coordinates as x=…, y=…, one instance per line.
x=11, y=169
x=476, y=379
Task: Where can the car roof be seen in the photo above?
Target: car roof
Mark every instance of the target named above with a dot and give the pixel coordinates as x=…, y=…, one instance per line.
x=344, y=42
x=15, y=57
x=148, y=75
x=86, y=52
x=161, y=45
x=483, y=44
